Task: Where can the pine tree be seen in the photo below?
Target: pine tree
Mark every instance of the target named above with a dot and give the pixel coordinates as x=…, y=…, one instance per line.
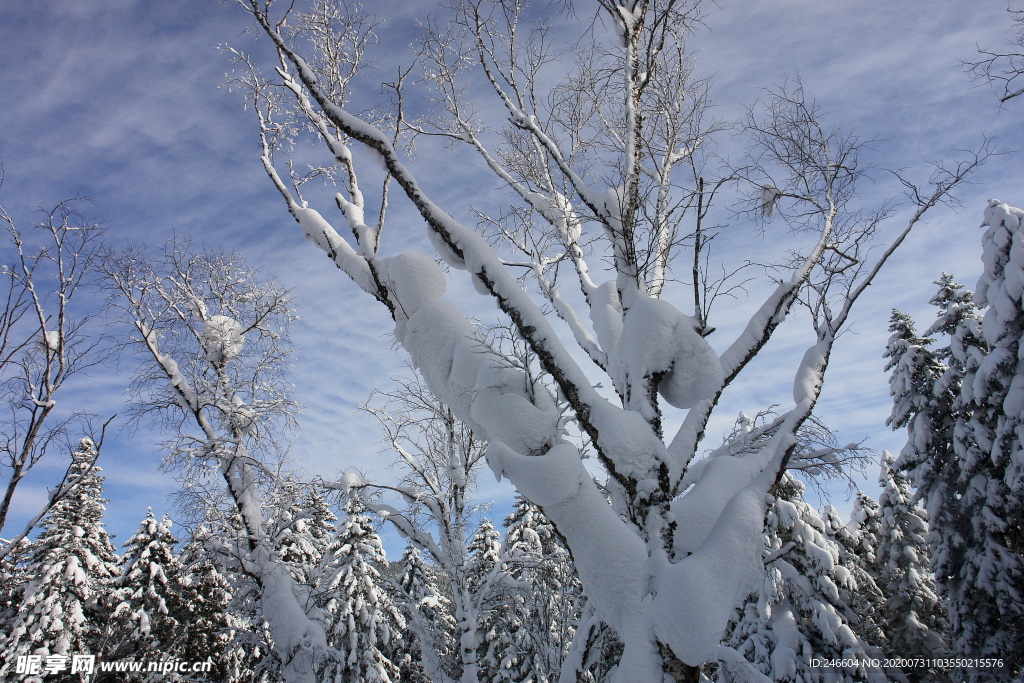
x=63, y=607
x=914, y=620
x=362, y=617
x=986, y=578
x=930, y=456
x=541, y=617
x=149, y=593
x=208, y=633
x=913, y=370
x=485, y=583
x=862, y=593
x=428, y=615
x=798, y=613
x=13, y=574
x=304, y=526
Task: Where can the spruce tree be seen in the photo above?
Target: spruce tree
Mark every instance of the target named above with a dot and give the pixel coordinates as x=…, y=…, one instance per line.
x=931, y=456
x=149, y=593
x=64, y=605
x=914, y=619
x=362, y=618
x=208, y=632
x=798, y=614
x=543, y=614
x=862, y=593
x=986, y=578
x=428, y=615
x=485, y=584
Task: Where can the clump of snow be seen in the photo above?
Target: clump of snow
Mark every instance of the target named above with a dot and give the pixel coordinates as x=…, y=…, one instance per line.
x=351, y=481
x=414, y=278
x=243, y=416
x=546, y=480
x=48, y=342
x=606, y=315
x=658, y=339
x=222, y=338
x=465, y=373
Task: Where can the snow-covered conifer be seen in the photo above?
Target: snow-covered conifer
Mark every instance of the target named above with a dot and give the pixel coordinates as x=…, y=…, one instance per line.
x=208, y=632
x=361, y=615
x=798, y=613
x=303, y=527
x=149, y=594
x=428, y=616
x=913, y=370
x=543, y=613
x=914, y=619
x=13, y=573
x=862, y=594
x=987, y=570
x=63, y=607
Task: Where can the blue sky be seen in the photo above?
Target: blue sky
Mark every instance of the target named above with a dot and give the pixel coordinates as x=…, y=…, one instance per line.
x=122, y=101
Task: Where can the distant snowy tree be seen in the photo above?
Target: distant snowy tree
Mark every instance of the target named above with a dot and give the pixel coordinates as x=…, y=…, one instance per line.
x=484, y=580
x=213, y=341
x=439, y=457
x=798, y=613
x=208, y=632
x=913, y=369
x=936, y=443
x=64, y=606
x=914, y=619
x=600, y=189
x=149, y=595
x=862, y=594
x=302, y=526
x=362, y=620
x=428, y=614
x=45, y=341
x=546, y=609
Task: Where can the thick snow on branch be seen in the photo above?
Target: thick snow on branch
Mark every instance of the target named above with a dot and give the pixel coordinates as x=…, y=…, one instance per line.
x=657, y=339
x=488, y=394
x=222, y=338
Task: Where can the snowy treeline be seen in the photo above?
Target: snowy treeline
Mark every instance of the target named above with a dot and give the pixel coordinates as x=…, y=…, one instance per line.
x=191, y=598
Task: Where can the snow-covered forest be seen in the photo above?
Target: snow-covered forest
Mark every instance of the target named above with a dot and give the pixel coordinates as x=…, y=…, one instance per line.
x=631, y=306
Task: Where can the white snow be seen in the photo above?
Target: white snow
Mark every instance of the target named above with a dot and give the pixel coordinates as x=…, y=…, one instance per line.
x=657, y=338
x=222, y=338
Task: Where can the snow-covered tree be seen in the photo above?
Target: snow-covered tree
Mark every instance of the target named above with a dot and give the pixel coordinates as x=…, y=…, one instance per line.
x=914, y=620
x=936, y=429
x=484, y=580
x=44, y=342
x=986, y=568
x=862, y=594
x=213, y=339
x=798, y=613
x=302, y=526
x=439, y=457
x=541, y=618
x=64, y=606
x=12, y=572
x=209, y=631
x=592, y=209
x=362, y=619
x=149, y=595
x=428, y=614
